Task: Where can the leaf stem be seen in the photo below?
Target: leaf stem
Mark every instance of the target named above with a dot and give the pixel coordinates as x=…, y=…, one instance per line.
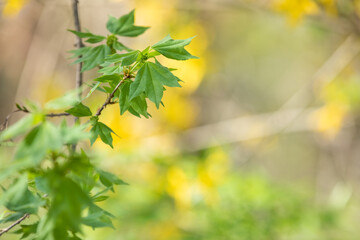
x=108, y=100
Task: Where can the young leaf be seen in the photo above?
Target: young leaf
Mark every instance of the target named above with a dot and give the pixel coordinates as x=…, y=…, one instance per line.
x=126, y=59
x=38, y=142
x=20, y=127
x=100, y=129
x=80, y=110
x=91, y=38
x=120, y=47
x=150, y=79
x=91, y=57
x=137, y=105
x=124, y=26
x=108, y=179
x=109, y=70
x=97, y=218
x=27, y=230
x=18, y=198
x=109, y=78
x=69, y=99
x=174, y=49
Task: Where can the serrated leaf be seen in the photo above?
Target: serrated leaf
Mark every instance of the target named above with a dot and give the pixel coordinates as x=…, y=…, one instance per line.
x=150, y=79
x=18, y=198
x=135, y=106
x=80, y=110
x=97, y=218
x=109, y=70
x=38, y=142
x=91, y=56
x=109, y=78
x=174, y=49
x=104, y=132
x=27, y=230
x=124, y=26
x=120, y=47
x=91, y=38
x=139, y=105
x=126, y=59
x=109, y=179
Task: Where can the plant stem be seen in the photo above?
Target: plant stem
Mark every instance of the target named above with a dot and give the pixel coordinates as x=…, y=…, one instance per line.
x=108, y=100
x=79, y=44
x=14, y=224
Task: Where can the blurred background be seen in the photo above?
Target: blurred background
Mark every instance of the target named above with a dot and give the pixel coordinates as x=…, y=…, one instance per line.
x=261, y=142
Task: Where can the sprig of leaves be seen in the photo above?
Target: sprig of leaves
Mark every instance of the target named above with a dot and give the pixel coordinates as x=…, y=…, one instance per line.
x=52, y=176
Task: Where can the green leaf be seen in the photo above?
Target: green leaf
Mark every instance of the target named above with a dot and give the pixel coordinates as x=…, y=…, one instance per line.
x=64, y=214
x=97, y=218
x=109, y=179
x=150, y=79
x=124, y=26
x=46, y=137
x=70, y=99
x=137, y=105
x=100, y=198
x=73, y=134
x=109, y=70
x=126, y=59
x=18, y=198
x=91, y=57
x=174, y=49
x=11, y=217
x=21, y=126
x=80, y=110
x=93, y=88
x=109, y=78
x=91, y=38
x=104, y=132
x=27, y=230
x=120, y=47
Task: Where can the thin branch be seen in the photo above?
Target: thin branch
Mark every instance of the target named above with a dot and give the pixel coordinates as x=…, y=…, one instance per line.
x=14, y=224
x=5, y=124
x=108, y=100
x=6, y=121
x=79, y=44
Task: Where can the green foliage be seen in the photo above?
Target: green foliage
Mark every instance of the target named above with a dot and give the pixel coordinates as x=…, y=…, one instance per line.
x=49, y=177
x=200, y=206
x=151, y=80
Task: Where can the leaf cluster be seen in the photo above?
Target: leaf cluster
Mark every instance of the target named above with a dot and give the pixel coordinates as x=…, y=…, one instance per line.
x=48, y=177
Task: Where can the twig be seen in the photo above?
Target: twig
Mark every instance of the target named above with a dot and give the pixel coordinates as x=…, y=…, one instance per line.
x=4, y=125
x=6, y=121
x=79, y=44
x=108, y=100
x=14, y=224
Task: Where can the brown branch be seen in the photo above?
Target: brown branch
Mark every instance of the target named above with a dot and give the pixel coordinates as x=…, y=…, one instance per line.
x=5, y=124
x=79, y=44
x=108, y=100
x=14, y=224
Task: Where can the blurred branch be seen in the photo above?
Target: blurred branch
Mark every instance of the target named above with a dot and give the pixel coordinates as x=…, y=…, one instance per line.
x=5, y=124
x=14, y=224
x=79, y=44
